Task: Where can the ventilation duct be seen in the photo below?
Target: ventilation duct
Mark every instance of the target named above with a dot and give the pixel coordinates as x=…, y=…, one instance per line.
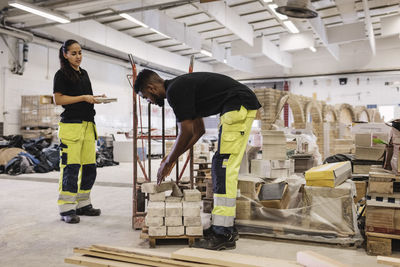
x=298, y=9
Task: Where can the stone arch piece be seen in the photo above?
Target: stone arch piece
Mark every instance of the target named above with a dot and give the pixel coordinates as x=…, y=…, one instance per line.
x=313, y=108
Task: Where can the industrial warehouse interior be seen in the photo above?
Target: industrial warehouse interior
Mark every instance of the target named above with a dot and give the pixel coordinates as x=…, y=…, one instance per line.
x=199, y=133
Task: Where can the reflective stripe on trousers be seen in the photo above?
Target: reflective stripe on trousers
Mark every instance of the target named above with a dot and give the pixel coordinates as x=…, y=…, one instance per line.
x=77, y=165
x=234, y=133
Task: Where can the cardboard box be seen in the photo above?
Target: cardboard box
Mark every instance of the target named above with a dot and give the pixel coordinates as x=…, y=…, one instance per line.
x=328, y=175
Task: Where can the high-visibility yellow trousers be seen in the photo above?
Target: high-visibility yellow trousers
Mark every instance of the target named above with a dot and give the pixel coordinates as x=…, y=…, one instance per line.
x=77, y=165
x=234, y=131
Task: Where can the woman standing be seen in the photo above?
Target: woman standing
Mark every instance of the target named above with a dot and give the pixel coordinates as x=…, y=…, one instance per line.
x=77, y=132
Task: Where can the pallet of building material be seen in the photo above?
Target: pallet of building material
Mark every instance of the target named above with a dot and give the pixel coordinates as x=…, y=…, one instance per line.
x=380, y=244
x=261, y=229
x=382, y=220
x=190, y=239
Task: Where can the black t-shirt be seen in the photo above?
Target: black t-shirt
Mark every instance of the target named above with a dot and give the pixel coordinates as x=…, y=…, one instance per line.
x=202, y=94
x=81, y=111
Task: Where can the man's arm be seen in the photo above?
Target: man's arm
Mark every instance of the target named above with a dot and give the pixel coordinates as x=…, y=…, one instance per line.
x=189, y=132
x=198, y=131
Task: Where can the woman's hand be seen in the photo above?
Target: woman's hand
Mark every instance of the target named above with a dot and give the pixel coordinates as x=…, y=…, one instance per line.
x=90, y=99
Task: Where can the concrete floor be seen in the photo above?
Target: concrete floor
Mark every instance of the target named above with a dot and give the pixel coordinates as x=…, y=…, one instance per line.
x=31, y=233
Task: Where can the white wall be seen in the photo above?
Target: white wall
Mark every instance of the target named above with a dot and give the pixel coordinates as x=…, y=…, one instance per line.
x=364, y=92
x=107, y=78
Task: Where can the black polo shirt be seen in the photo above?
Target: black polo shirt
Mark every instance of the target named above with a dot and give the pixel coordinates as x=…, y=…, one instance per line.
x=202, y=94
x=81, y=111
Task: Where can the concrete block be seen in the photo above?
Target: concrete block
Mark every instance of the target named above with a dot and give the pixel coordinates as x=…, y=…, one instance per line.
x=192, y=195
x=175, y=230
x=156, y=209
x=154, y=221
x=173, y=221
x=157, y=197
x=194, y=230
x=158, y=231
x=192, y=221
x=173, y=209
x=151, y=188
x=191, y=209
x=173, y=199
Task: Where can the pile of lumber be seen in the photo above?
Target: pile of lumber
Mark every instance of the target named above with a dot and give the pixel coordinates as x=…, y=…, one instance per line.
x=100, y=255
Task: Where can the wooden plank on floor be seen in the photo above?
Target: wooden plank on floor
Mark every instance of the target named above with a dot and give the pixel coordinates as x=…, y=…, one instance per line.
x=313, y=259
x=388, y=260
x=108, y=256
x=228, y=259
x=131, y=257
x=96, y=262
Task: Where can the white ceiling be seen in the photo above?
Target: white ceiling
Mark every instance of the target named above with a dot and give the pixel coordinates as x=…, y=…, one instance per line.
x=215, y=28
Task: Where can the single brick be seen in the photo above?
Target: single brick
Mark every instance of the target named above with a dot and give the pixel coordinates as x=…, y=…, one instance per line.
x=192, y=221
x=156, y=209
x=157, y=197
x=194, y=230
x=175, y=230
x=173, y=199
x=191, y=209
x=173, y=221
x=151, y=188
x=154, y=221
x=173, y=209
x=192, y=195
x=158, y=231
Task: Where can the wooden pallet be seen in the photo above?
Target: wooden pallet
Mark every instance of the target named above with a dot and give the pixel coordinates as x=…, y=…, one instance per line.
x=380, y=244
x=191, y=239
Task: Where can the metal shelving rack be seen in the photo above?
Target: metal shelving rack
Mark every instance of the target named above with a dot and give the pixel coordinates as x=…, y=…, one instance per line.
x=139, y=198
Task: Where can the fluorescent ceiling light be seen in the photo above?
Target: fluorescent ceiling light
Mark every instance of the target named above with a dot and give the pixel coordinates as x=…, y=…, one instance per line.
x=291, y=27
x=267, y=1
x=206, y=53
x=160, y=33
x=39, y=11
x=130, y=18
x=225, y=61
x=312, y=48
x=280, y=16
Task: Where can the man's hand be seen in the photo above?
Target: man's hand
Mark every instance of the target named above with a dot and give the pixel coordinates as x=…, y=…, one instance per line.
x=164, y=170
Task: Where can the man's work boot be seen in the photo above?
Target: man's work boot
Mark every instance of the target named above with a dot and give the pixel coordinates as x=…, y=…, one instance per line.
x=73, y=218
x=207, y=233
x=216, y=242
x=88, y=211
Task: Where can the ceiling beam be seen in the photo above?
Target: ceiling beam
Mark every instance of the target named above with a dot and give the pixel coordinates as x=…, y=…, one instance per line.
x=347, y=10
x=109, y=38
x=319, y=29
x=369, y=27
x=226, y=16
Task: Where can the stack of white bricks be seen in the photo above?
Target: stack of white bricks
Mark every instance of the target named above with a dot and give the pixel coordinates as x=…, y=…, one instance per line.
x=170, y=216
